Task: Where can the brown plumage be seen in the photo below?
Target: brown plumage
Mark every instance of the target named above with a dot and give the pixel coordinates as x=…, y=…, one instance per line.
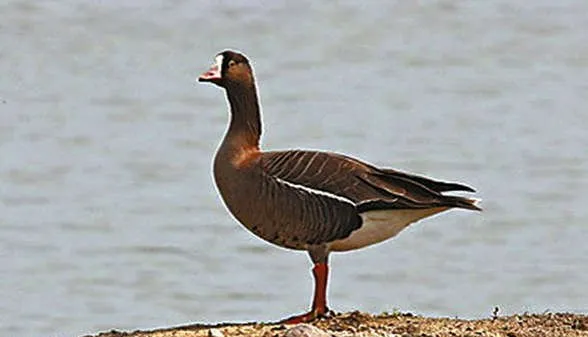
x=311, y=200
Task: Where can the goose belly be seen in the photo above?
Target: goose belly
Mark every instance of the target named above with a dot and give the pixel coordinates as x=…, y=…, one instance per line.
x=380, y=225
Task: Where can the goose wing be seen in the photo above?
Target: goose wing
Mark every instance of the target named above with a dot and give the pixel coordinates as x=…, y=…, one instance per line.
x=363, y=184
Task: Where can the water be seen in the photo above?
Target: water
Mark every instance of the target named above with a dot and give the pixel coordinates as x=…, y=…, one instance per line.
x=108, y=215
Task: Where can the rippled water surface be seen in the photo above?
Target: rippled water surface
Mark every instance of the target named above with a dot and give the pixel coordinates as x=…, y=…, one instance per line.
x=108, y=214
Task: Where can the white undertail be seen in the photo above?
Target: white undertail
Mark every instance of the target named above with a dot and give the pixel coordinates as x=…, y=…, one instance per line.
x=380, y=225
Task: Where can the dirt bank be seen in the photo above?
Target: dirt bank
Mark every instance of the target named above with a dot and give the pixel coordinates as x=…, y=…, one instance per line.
x=358, y=324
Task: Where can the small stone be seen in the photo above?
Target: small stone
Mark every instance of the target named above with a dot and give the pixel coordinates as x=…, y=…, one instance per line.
x=215, y=333
x=305, y=330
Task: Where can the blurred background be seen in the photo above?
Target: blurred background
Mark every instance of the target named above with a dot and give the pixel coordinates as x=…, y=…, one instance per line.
x=108, y=214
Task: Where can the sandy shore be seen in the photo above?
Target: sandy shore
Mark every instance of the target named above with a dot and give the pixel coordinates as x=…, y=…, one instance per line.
x=356, y=324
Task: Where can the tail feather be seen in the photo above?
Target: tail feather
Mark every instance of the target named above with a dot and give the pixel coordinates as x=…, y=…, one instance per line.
x=461, y=202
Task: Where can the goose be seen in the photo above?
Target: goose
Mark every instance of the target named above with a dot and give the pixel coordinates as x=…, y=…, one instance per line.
x=314, y=201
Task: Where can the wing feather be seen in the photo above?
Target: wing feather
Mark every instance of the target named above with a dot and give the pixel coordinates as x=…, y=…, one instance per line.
x=364, y=184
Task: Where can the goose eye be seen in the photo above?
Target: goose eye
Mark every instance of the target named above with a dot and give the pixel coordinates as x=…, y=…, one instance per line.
x=232, y=63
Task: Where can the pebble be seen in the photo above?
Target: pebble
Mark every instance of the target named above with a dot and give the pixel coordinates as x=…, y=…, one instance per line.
x=215, y=333
x=305, y=330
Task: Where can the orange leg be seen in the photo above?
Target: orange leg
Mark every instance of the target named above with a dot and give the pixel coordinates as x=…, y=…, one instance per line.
x=319, y=303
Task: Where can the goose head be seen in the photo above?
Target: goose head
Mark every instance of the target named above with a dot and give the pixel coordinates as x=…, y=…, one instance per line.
x=230, y=69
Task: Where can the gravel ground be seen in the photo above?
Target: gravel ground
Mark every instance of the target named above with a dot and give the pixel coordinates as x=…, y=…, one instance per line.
x=356, y=324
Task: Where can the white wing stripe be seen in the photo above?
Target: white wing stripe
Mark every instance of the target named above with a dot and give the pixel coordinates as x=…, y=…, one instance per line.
x=315, y=191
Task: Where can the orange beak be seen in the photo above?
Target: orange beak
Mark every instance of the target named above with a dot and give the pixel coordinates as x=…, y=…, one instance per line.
x=214, y=73
x=211, y=75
